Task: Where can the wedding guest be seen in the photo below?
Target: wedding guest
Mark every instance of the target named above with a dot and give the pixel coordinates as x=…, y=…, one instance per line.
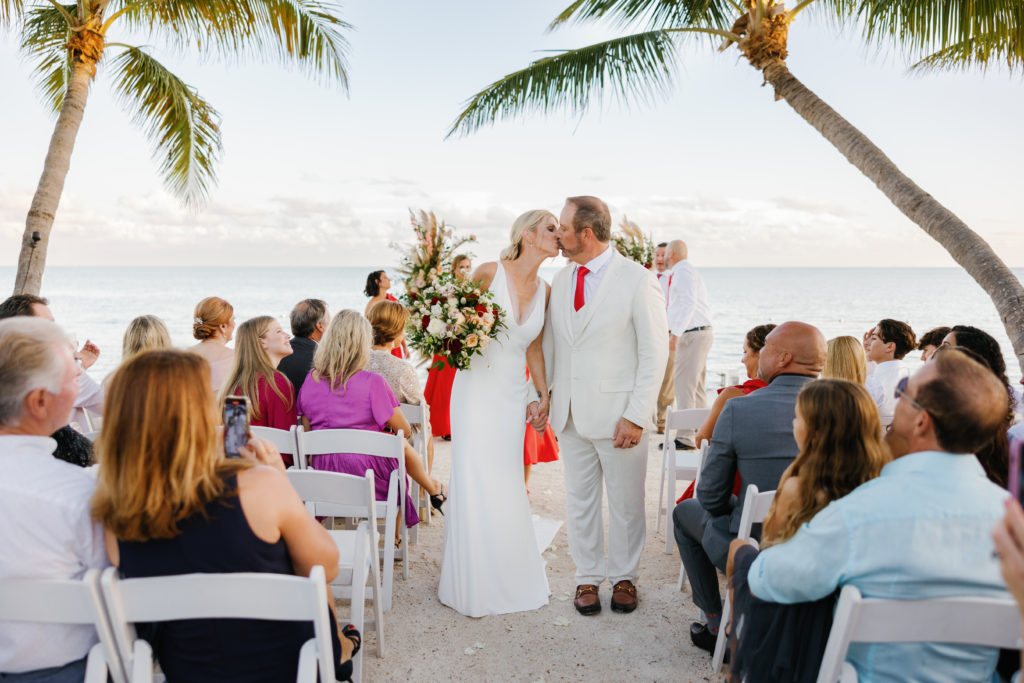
x=341, y=394
x=837, y=429
x=845, y=360
x=993, y=456
x=441, y=376
x=261, y=345
x=690, y=335
x=47, y=531
x=377, y=285
x=754, y=437
x=388, y=320
x=892, y=537
x=213, y=324
x=172, y=503
x=144, y=333
x=309, y=320
x=931, y=340
x=667, y=392
x=890, y=341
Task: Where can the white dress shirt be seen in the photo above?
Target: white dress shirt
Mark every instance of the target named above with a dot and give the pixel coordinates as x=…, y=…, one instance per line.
x=881, y=384
x=90, y=397
x=664, y=277
x=597, y=267
x=687, y=299
x=46, y=533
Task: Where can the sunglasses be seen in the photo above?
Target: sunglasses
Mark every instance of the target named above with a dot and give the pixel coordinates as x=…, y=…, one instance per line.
x=901, y=393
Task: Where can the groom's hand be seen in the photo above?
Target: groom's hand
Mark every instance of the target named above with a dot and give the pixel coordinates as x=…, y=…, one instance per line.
x=627, y=434
x=537, y=414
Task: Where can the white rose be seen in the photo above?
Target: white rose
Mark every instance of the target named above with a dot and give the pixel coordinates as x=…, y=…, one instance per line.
x=453, y=302
x=484, y=341
x=435, y=327
x=488, y=318
x=462, y=300
x=436, y=310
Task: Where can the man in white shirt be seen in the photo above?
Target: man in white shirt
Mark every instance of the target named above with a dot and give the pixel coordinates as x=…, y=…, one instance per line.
x=889, y=342
x=690, y=335
x=47, y=531
x=666, y=395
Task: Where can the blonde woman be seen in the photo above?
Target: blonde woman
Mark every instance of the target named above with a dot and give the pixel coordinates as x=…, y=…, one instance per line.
x=172, y=504
x=845, y=360
x=213, y=324
x=340, y=393
x=145, y=333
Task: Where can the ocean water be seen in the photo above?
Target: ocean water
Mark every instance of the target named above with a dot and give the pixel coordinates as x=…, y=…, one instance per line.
x=98, y=302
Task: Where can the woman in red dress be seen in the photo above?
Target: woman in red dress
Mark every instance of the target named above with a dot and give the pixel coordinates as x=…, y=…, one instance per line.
x=377, y=285
x=441, y=376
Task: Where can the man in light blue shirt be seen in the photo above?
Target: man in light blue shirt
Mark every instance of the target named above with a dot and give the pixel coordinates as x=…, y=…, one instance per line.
x=922, y=529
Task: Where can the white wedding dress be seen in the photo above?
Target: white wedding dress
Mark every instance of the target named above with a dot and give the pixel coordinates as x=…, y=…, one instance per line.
x=491, y=563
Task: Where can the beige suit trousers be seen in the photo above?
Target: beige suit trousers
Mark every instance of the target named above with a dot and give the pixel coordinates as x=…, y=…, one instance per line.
x=667, y=393
x=690, y=367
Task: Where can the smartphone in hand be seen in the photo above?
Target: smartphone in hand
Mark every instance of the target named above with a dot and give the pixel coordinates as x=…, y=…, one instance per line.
x=236, y=425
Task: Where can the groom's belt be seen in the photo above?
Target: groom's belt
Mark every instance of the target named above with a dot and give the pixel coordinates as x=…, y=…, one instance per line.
x=697, y=329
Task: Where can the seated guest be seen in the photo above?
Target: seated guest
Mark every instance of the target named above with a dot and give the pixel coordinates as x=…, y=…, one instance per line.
x=309, y=320
x=753, y=437
x=890, y=341
x=845, y=360
x=213, y=323
x=173, y=504
x=931, y=340
x=47, y=532
x=377, y=285
x=840, y=439
x=388, y=319
x=341, y=394
x=921, y=529
x=259, y=348
x=995, y=455
x=145, y=333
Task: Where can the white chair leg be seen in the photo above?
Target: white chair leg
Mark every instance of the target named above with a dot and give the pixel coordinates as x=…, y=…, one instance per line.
x=719, y=655
x=661, y=492
x=682, y=575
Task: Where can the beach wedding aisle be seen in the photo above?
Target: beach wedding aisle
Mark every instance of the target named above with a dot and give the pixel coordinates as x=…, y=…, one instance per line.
x=430, y=642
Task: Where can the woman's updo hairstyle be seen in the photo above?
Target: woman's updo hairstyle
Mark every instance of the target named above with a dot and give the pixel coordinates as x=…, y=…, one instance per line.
x=210, y=314
x=388, y=319
x=527, y=221
x=756, y=337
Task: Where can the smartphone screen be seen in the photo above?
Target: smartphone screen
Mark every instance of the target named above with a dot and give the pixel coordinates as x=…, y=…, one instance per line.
x=1016, y=451
x=236, y=425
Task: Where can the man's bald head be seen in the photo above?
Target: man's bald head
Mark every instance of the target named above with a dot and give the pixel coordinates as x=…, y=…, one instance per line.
x=794, y=348
x=675, y=252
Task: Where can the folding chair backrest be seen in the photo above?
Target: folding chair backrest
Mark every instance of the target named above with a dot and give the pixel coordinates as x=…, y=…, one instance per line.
x=219, y=596
x=335, y=495
x=690, y=418
x=755, y=509
x=992, y=622
x=62, y=601
x=283, y=439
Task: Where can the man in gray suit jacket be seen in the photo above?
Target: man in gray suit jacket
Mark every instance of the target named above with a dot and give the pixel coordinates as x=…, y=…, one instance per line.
x=753, y=435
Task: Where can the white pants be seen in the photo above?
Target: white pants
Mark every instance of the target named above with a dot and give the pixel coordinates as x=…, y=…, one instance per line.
x=587, y=462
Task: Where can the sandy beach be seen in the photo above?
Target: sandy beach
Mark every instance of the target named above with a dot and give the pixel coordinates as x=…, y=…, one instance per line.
x=427, y=641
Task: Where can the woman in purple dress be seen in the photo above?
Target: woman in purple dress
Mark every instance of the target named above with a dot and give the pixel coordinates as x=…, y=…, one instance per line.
x=340, y=394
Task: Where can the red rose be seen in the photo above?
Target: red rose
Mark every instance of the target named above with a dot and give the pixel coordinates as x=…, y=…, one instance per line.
x=453, y=346
x=425, y=321
x=481, y=309
x=434, y=300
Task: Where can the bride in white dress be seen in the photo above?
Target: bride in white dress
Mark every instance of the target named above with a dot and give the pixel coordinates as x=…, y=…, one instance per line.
x=491, y=561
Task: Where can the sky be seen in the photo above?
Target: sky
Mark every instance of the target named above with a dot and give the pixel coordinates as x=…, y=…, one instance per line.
x=311, y=175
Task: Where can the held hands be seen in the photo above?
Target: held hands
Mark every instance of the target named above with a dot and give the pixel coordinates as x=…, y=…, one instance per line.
x=537, y=415
x=627, y=434
x=262, y=453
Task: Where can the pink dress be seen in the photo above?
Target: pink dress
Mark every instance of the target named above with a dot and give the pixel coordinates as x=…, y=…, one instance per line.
x=365, y=402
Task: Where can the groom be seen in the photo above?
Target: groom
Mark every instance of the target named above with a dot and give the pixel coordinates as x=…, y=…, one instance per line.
x=607, y=343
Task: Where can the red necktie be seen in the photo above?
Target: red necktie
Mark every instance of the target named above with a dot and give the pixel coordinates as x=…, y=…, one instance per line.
x=581, y=273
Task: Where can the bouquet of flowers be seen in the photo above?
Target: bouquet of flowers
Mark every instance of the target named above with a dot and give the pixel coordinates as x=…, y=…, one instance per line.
x=633, y=244
x=431, y=254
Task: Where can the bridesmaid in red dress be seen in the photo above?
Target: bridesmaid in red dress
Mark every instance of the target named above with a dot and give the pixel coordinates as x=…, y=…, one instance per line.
x=440, y=378
x=377, y=285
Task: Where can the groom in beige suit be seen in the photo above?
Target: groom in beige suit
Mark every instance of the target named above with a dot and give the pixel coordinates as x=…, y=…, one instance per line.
x=606, y=345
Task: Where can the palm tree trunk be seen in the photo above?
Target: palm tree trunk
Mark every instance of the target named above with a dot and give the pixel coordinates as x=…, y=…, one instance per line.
x=962, y=243
x=32, y=259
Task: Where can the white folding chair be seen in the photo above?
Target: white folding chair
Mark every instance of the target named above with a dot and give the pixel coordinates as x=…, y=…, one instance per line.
x=417, y=415
x=677, y=464
x=92, y=435
x=390, y=511
x=219, y=596
x=283, y=439
x=66, y=601
x=755, y=509
x=993, y=622
x=330, y=494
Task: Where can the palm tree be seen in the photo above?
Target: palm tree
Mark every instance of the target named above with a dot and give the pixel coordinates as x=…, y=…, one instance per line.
x=66, y=43
x=950, y=33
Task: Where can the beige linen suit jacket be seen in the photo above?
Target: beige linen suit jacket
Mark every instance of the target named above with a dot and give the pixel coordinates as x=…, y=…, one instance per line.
x=607, y=360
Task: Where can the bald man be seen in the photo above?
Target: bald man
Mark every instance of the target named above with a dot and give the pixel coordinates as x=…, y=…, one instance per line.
x=690, y=335
x=753, y=436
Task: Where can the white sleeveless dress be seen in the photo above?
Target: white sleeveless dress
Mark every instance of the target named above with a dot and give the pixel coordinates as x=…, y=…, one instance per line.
x=491, y=563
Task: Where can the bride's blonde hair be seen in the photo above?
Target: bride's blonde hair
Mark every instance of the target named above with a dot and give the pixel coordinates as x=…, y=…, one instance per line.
x=527, y=221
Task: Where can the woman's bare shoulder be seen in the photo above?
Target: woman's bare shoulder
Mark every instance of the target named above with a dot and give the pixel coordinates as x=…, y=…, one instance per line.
x=484, y=274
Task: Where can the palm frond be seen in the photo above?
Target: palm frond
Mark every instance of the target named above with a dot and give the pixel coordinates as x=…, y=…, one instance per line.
x=184, y=127
x=11, y=12
x=306, y=32
x=652, y=14
x=44, y=40
x=635, y=67
x=982, y=52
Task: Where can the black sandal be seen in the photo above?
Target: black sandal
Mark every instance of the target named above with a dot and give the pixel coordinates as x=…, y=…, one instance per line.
x=352, y=633
x=438, y=499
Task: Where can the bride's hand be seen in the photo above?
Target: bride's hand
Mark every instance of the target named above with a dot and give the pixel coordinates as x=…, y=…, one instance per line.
x=537, y=415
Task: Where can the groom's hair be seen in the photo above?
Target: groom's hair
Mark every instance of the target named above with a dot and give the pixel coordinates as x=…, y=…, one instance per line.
x=591, y=213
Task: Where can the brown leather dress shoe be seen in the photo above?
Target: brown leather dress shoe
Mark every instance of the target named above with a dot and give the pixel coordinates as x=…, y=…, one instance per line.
x=624, y=597
x=587, y=601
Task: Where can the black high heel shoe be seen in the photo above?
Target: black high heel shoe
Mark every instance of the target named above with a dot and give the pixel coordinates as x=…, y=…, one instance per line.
x=437, y=500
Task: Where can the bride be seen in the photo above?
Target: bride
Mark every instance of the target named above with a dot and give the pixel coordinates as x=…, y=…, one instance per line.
x=491, y=562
